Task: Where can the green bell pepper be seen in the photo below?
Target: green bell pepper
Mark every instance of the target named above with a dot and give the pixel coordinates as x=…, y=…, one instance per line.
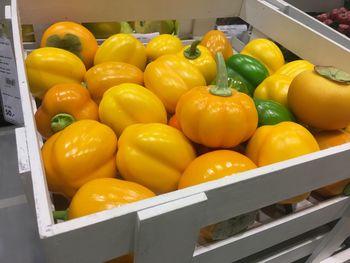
x=271, y=112
x=237, y=82
x=247, y=70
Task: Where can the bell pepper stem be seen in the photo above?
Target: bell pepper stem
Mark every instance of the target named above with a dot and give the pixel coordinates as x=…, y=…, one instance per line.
x=221, y=87
x=60, y=215
x=192, y=52
x=61, y=121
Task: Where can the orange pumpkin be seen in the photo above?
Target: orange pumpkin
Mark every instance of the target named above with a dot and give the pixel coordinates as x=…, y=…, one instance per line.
x=217, y=116
x=327, y=139
x=73, y=37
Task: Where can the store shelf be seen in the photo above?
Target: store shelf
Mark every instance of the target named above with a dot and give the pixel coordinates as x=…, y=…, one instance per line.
x=165, y=228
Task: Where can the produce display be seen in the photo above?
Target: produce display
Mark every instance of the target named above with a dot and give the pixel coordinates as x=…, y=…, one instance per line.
x=128, y=120
x=337, y=18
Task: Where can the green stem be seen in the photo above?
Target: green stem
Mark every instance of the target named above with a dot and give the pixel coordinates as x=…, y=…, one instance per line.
x=61, y=121
x=193, y=52
x=60, y=215
x=221, y=88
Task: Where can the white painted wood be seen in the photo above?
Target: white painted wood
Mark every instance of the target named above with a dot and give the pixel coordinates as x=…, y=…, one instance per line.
x=41, y=195
x=41, y=11
x=22, y=150
x=291, y=250
x=294, y=35
x=112, y=233
x=267, y=235
x=341, y=257
x=313, y=23
x=202, y=26
x=168, y=232
x=316, y=5
x=333, y=240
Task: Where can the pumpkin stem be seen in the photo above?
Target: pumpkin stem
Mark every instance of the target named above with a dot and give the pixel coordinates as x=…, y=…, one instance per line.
x=193, y=52
x=61, y=121
x=60, y=215
x=333, y=73
x=221, y=87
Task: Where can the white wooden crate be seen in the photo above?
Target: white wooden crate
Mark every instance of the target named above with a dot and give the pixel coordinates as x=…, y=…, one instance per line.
x=165, y=228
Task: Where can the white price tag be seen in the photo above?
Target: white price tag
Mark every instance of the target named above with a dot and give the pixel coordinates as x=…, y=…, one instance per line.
x=145, y=38
x=9, y=87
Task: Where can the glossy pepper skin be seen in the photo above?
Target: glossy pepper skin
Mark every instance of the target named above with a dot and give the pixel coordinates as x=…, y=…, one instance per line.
x=163, y=44
x=327, y=139
x=123, y=48
x=294, y=68
x=105, y=193
x=217, y=116
x=274, y=143
x=216, y=41
x=271, y=112
x=247, y=68
x=201, y=58
x=169, y=77
x=49, y=66
x=214, y=165
x=83, y=151
x=72, y=37
x=154, y=155
x=103, y=76
x=129, y=103
x=320, y=102
x=275, y=87
x=267, y=52
x=62, y=105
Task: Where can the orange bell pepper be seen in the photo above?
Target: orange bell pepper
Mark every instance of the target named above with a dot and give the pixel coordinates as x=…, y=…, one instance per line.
x=216, y=41
x=103, y=76
x=274, y=143
x=72, y=37
x=83, y=151
x=61, y=106
x=327, y=139
x=217, y=116
x=105, y=193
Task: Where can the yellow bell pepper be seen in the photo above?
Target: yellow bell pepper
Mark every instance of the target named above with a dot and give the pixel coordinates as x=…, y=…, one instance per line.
x=129, y=103
x=266, y=52
x=274, y=143
x=169, y=77
x=83, y=151
x=49, y=66
x=122, y=47
x=201, y=58
x=276, y=86
x=161, y=45
x=294, y=68
x=154, y=155
x=105, y=193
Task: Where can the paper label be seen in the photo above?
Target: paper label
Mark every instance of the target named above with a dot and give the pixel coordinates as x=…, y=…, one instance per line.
x=9, y=87
x=145, y=38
